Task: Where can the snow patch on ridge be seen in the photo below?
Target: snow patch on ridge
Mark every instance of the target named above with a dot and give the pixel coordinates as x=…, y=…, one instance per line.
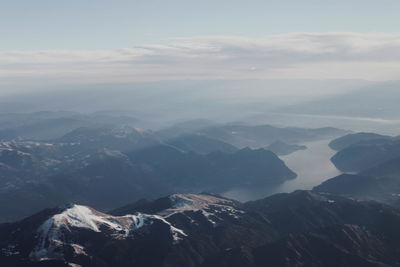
x=52, y=238
x=62, y=233
x=212, y=207
x=194, y=202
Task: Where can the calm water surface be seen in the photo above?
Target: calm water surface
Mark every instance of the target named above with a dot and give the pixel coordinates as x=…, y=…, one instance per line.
x=313, y=166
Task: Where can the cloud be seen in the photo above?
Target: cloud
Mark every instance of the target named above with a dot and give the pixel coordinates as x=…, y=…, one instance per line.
x=285, y=56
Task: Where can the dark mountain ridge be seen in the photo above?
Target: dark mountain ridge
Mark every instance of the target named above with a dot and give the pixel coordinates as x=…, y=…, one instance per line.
x=351, y=139
x=380, y=183
x=105, y=170
x=298, y=229
x=366, y=154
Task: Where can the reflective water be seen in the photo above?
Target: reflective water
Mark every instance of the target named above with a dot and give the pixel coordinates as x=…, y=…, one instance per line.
x=313, y=166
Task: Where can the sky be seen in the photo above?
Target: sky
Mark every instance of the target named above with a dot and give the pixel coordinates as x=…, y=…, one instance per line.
x=99, y=41
x=113, y=24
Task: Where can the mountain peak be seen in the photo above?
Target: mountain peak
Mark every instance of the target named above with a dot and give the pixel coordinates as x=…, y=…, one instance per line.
x=59, y=233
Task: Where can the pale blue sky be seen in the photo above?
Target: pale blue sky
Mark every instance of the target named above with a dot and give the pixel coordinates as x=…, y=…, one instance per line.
x=46, y=42
x=101, y=24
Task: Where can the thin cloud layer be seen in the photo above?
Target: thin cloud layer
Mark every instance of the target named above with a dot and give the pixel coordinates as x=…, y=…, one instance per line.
x=287, y=56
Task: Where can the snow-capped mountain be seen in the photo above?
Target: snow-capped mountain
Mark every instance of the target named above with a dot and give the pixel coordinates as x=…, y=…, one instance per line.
x=208, y=230
x=55, y=238
x=75, y=234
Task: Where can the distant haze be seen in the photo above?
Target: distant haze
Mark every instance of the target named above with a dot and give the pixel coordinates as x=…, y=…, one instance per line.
x=167, y=61
x=339, y=55
x=350, y=104
x=188, y=98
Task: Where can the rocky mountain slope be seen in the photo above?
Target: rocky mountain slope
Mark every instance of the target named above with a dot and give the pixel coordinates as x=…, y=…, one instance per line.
x=298, y=229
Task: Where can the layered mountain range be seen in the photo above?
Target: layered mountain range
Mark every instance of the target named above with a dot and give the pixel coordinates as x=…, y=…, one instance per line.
x=104, y=160
x=374, y=163
x=104, y=182
x=107, y=170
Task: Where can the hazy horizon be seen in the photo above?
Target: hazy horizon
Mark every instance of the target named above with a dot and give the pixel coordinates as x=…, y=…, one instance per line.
x=83, y=43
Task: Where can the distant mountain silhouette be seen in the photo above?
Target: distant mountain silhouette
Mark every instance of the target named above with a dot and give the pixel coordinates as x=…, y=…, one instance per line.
x=281, y=148
x=351, y=139
x=366, y=154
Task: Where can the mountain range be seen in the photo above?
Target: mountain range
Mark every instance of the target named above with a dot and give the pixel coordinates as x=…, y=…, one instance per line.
x=106, y=163
x=103, y=184
x=361, y=151
x=298, y=229
x=108, y=166
x=374, y=162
